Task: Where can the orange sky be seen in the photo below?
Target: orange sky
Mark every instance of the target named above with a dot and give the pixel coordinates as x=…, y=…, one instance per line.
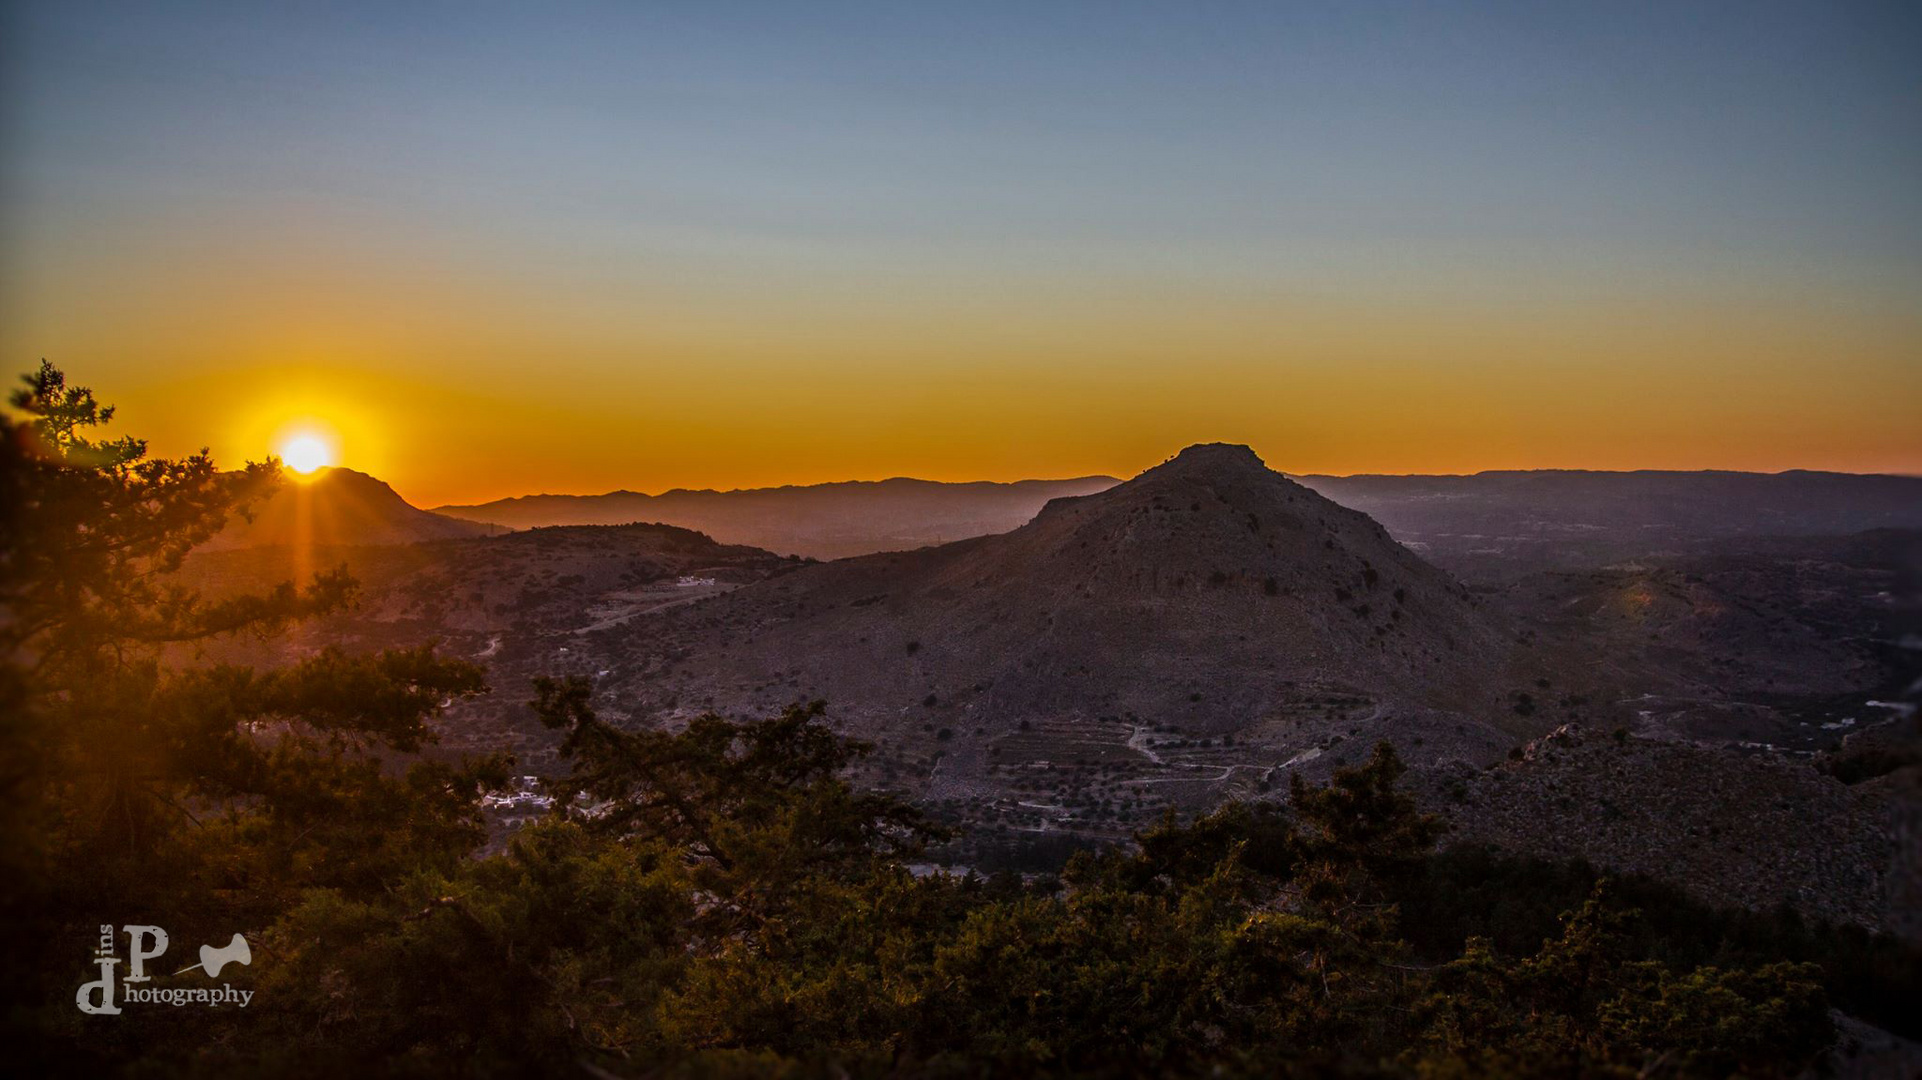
x=487, y=407
x=737, y=247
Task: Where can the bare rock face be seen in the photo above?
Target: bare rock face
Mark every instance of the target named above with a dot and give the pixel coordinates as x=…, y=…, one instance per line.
x=1754, y=830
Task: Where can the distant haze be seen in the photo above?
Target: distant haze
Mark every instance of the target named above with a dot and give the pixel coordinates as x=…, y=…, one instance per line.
x=1493, y=524
x=821, y=521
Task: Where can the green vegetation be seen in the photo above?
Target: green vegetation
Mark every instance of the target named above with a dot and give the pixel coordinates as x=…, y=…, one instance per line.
x=143, y=786
x=719, y=901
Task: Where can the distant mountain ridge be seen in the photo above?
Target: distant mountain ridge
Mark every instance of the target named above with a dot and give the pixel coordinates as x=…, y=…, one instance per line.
x=1499, y=524
x=822, y=521
x=1486, y=525
x=340, y=508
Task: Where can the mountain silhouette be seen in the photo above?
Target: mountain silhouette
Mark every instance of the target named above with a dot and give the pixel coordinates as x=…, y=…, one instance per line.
x=821, y=521
x=340, y=507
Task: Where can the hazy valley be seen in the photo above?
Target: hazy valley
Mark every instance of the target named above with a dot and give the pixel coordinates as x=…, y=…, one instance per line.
x=1711, y=687
x=822, y=521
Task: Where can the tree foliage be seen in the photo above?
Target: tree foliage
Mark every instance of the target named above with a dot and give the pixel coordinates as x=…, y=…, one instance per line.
x=1252, y=941
x=140, y=783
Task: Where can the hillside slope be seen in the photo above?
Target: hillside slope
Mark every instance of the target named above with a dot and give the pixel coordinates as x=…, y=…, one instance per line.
x=340, y=507
x=522, y=604
x=1207, y=598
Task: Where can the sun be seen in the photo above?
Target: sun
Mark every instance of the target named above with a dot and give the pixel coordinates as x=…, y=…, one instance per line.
x=306, y=453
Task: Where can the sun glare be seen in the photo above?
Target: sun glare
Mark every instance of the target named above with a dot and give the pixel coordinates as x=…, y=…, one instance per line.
x=306, y=453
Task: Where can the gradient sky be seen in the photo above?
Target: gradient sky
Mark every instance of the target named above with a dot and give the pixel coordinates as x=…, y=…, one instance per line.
x=554, y=247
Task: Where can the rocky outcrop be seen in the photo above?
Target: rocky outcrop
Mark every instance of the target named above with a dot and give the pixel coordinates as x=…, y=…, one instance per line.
x=1754, y=830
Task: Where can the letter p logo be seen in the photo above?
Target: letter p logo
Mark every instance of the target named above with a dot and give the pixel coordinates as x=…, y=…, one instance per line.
x=157, y=942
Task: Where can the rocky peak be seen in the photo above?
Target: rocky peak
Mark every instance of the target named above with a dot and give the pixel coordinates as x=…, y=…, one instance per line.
x=339, y=507
x=1206, y=460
